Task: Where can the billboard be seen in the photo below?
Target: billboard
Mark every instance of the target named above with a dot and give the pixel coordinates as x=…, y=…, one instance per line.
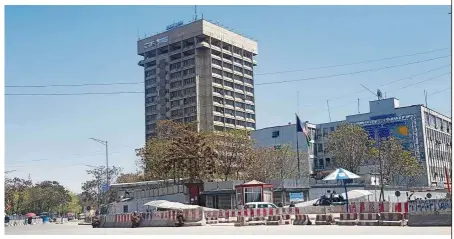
x=403, y=128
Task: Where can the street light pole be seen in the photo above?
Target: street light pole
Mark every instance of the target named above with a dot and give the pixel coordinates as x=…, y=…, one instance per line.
x=107, y=158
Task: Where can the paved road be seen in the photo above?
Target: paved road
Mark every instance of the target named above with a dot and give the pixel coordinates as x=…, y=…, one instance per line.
x=74, y=229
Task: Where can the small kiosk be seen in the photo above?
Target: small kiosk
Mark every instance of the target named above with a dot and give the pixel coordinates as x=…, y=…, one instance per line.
x=254, y=191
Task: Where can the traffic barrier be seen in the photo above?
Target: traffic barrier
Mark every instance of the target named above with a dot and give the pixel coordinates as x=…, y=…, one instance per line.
x=241, y=221
x=123, y=220
x=369, y=207
x=347, y=219
x=391, y=219
x=431, y=212
x=302, y=219
x=16, y=220
x=324, y=219
x=286, y=220
x=109, y=221
x=61, y=220
x=274, y=220
x=368, y=219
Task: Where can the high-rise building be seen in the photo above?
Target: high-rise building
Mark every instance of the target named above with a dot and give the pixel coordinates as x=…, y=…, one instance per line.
x=199, y=72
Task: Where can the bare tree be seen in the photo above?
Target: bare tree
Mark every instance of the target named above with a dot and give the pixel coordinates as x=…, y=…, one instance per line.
x=233, y=150
x=395, y=165
x=276, y=163
x=349, y=146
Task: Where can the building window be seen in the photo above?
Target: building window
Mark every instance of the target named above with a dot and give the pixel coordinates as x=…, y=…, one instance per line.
x=275, y=134
x=319, y=147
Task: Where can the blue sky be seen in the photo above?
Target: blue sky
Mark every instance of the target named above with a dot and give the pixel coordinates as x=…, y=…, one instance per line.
x=47, y=136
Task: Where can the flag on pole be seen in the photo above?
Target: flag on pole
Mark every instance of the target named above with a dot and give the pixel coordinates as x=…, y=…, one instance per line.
x=303, y=129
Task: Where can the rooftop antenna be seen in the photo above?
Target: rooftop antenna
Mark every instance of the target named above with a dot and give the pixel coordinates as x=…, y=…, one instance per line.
x=425, y=97
x=358, y=107
x=195, y=12
x=138, y=34
x=329, y=111
x=378, y=94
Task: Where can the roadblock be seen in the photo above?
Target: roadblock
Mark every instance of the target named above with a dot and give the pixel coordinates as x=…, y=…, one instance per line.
x=347, y=219
x=368, y=219
x=391, y=219
x=324, y=219
x=302, y=219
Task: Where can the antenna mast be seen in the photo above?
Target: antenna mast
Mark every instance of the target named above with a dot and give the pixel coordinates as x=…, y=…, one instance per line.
x=329, y=111
x=358, y=107
x=195, y=13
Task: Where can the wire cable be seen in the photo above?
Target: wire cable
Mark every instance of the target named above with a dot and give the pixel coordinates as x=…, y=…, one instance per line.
x=269, y=73
x=269, y=83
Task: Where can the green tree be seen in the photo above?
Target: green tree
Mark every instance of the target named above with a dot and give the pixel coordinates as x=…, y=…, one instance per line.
x=74, y=204
x=178, y=151
x=349, y=146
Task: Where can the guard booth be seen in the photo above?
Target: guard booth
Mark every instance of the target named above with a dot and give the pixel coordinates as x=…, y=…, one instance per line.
x=253, y=191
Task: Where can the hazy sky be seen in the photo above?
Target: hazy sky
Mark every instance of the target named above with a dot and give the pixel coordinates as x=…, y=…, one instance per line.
x=47, y=136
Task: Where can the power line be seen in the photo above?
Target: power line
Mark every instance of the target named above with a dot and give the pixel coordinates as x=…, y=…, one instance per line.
x=269, y=73
x=354, y=63
x=351, y=73
x=269, y=83
x=388, y=83
x=439, y=91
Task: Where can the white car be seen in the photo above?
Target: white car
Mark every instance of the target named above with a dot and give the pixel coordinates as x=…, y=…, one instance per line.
x=259, y=205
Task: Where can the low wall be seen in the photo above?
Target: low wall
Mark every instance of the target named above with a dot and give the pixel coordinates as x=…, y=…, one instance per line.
x=431, y=212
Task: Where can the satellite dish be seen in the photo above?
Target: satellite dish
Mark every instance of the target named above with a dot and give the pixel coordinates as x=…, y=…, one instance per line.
x=428, y=195
x=379, y=94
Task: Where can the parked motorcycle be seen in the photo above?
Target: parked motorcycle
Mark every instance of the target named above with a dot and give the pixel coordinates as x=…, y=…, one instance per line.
x=96, y=222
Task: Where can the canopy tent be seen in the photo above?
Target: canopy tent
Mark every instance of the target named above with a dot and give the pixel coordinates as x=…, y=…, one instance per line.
x=164, y=204
x=342, y=174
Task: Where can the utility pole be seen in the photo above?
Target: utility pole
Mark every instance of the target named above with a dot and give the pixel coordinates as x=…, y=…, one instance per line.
x=107, y=162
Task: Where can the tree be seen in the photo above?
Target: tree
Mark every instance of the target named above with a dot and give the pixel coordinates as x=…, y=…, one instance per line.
x=92, y=194
x=178, y=151
x=233, y=151
x=49, y=196
x=129, y=178
x=394, y=164
x=74, y=204
x=349, y=146
x=276, y=163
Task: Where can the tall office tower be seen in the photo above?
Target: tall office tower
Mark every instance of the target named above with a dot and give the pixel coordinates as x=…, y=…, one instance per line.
x=199, y=72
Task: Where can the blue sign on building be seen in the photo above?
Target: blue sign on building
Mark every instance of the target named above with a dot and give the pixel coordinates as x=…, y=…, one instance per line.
x=105, y=188
x=174, y=25
x=296, y=196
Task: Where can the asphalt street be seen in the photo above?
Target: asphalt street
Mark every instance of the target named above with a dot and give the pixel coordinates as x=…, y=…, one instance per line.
x=225, y=229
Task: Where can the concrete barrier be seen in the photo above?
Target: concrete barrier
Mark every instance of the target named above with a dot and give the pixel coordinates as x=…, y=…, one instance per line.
x=368, y=219
x=391, y=219
x=347, y=219
x=302, y=219
x=324, y=219
x=431, y=212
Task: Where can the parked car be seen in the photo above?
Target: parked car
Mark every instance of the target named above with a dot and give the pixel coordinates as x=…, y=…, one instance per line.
x=260, y=205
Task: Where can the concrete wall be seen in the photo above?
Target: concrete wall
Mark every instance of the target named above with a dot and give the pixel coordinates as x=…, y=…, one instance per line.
x=435, y=212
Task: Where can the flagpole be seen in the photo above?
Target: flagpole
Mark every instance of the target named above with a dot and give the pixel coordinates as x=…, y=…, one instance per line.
x=297, y=151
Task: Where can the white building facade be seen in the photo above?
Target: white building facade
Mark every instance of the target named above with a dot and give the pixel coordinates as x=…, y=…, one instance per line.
x=424, y=132
x=286, y=135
